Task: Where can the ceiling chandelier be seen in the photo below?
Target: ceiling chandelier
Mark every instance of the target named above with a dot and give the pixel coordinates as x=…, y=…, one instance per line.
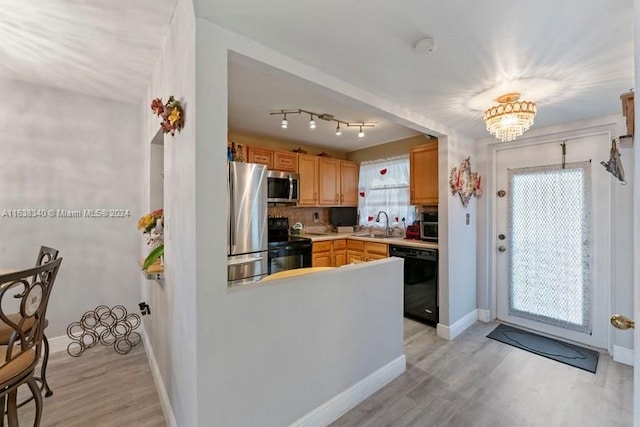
x=511, y=118
x=284, y=124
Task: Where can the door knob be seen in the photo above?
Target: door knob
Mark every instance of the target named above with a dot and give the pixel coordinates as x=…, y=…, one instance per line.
x=622, y=322
x=501, y=248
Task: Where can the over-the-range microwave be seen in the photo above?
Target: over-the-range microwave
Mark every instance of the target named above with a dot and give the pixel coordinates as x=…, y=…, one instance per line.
x=283, y=187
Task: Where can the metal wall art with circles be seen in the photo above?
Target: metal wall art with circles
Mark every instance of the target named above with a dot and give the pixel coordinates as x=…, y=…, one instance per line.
x=107, y=326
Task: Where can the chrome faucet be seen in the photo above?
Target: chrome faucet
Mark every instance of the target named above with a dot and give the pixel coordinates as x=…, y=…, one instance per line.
x=387, y=229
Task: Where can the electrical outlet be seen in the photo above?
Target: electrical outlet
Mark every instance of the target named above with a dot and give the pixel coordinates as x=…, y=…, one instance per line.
x=316, y=217
x=144, y=308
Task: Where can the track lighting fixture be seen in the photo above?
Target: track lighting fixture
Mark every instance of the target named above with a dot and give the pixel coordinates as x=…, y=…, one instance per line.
x=324, y=116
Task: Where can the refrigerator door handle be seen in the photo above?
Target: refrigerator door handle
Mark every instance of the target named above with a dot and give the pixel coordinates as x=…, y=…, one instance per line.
x=245, y=261
x=232, y=207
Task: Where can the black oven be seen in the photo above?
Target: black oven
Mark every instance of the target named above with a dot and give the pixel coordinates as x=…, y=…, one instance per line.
x=286, y=252
x=294, y=253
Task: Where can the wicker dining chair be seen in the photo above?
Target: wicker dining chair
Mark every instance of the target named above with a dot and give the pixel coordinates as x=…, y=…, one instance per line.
x=24, y=296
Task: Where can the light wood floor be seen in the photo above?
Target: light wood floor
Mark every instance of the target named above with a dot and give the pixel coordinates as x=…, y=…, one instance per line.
x=476, y=381
x=99, y=389
x=471, y=381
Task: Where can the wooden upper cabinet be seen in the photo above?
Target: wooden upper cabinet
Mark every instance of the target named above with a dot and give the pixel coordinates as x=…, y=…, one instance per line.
x=308, y=185
x=260, y=155
x=329, y=181
x=349, y=183
x=285, y=161
x=424, y=174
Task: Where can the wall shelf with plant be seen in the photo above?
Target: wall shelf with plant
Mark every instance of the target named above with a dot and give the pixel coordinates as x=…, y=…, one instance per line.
x=152, y=226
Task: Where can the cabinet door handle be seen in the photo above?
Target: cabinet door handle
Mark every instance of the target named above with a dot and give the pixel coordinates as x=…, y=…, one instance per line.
x=315, y=196
x=337, y=198
x=342, y=197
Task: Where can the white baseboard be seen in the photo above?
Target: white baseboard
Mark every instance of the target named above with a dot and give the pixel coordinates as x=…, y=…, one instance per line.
x=623, y=355
x=339, y=405
x=58, y=344
x=484, y=315
x=165, y=403
x=450, y=332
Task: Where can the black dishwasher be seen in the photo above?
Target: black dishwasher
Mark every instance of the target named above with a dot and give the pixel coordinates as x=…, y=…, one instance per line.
x=420, y=282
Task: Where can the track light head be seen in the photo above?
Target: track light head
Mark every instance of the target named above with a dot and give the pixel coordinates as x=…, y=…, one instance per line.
x=284, y=124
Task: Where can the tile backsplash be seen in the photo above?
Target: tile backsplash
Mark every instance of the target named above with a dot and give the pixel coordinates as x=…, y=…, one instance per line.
x=302, y=215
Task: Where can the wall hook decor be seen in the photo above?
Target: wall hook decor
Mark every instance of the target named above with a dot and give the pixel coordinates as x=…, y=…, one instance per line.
x=464, y=182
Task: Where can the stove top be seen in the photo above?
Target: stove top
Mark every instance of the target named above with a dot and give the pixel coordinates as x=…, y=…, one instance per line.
x=279, y=233
x=288, y=240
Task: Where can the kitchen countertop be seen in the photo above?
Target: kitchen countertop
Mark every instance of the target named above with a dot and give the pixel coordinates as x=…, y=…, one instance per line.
x=354, y=236
x=295, y=272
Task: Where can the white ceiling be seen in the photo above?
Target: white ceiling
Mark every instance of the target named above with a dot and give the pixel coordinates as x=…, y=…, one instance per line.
x=584, y=45
x=97, y=47
x=256, y=90
x=109, y=48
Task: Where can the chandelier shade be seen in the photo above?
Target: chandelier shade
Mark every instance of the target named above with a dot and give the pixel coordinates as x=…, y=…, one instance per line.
x=510, y=118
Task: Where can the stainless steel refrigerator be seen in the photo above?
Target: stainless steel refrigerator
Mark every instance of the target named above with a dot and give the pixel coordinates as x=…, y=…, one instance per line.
x=247, y=257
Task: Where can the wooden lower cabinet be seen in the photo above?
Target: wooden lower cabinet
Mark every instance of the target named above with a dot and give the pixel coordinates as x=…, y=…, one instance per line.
x=355, y=251
x=374, y=250
x=321, y=254
x=336, y=253
x=339, y=253
x=331, y=253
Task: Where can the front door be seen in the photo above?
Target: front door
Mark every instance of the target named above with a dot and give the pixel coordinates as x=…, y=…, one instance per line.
x=553, y=239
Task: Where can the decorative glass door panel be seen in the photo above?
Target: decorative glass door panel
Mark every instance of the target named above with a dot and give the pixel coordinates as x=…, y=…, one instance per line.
x=549, y=274
x=552, y=236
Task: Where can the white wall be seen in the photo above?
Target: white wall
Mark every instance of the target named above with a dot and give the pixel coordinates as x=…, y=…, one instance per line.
x=63, y=150
x=457, y=246
x=283, y=349
x=276, y=352
x=171, y=328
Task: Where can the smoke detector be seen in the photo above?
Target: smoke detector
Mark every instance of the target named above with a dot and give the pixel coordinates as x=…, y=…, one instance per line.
x=424, y=46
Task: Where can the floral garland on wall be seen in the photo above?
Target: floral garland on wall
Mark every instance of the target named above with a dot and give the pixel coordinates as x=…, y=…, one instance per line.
x=171, y=113
x=464, y=182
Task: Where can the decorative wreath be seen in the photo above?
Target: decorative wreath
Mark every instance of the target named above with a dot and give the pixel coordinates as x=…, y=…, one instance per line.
x=171, y=113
